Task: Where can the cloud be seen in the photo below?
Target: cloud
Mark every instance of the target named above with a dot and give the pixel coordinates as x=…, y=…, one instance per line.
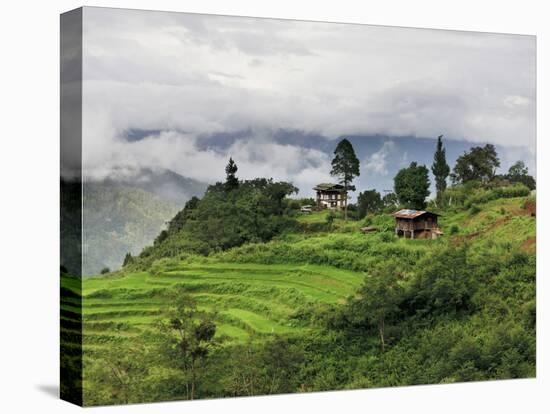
x=257, y=156
x=191, y=75
x=378, y=162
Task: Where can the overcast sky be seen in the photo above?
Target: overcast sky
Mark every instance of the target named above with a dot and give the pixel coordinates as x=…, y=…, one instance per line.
x=178, y=79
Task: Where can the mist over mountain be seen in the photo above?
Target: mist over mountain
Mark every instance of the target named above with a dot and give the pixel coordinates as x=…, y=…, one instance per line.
x=126, y=212
x=164, y=183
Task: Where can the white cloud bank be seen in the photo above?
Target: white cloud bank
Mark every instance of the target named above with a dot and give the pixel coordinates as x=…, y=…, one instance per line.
x=205, y=74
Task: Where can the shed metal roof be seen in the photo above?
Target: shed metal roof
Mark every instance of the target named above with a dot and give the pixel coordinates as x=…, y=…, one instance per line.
x=411, y=214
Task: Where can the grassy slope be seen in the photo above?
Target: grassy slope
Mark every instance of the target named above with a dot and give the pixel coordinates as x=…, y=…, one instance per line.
x=248, y=298
x=258, y=289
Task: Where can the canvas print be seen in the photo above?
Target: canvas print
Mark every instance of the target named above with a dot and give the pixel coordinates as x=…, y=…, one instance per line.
x=262, y=206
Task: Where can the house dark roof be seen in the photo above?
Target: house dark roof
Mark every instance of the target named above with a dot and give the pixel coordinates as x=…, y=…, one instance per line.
x=411, y=214
x=328, y=187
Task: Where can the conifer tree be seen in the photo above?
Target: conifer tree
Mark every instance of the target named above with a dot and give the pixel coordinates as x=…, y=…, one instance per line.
x=345, y=166
x=440, y=169
x=231, y=180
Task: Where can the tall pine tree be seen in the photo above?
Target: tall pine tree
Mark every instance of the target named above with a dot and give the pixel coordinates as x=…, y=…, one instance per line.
x=231, y=180
x=345, y=166
x=440, y=169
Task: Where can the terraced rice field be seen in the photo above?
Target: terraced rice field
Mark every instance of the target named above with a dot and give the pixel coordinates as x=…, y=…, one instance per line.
x=248, y=299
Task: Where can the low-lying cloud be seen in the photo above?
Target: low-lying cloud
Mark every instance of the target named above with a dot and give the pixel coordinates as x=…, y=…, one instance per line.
x=256, y=156
x=194, y=75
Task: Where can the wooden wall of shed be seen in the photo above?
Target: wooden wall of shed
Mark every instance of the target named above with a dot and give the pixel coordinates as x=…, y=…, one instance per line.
x=418, y=224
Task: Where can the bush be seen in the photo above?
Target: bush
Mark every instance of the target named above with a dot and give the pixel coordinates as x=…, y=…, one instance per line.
x=330, y=218
x=454, y=229
x=445, y=283
x=293, y=204
x=164, y=265
x=472, y=193
x=105, y=270
x=367, y=221
x=474, y=209
x=386, y=237
x=484, y=196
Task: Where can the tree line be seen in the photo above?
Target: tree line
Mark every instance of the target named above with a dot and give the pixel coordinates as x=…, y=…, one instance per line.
x=412, y=184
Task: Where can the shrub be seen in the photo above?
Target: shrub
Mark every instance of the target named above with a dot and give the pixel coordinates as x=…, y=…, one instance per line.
x=445, y=283
x=105, y=270
x=386, y=237
x=367, y=221
x=484, y=196
x=330, y=218
x=474, y=209
x=454, y=229
x=472, y=193
x=165, y=264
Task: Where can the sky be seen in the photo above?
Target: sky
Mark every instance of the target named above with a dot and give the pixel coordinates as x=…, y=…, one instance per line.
x=186, y=91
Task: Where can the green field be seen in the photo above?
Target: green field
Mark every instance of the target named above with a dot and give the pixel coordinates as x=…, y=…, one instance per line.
x=249, y=299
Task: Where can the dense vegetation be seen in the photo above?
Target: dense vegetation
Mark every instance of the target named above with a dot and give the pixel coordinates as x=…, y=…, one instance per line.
x=253, y=211
x=245, y=295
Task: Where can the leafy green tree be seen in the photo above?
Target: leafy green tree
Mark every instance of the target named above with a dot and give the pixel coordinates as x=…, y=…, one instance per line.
x=440, y=168
x=444, y=284
x=281, y=361
x=390, y=201
x=412, y=186
x=244, y=376
x=368, y=201
x=519, y=173
x=231, y=180
x=378, y=299
x=478, y=164
x=345, y=166
x=188, y=339
x=120, y=372
x=253, y=212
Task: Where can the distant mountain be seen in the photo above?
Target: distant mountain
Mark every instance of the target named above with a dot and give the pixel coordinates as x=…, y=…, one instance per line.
x=167, y=184
x=126, y=214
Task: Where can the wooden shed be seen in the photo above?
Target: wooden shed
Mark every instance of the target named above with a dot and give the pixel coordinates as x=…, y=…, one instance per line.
x=417, y=224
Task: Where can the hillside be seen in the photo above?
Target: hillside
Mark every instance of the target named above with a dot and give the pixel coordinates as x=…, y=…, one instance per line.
x=125, y=213
x=118, y=219
x=468, y=296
